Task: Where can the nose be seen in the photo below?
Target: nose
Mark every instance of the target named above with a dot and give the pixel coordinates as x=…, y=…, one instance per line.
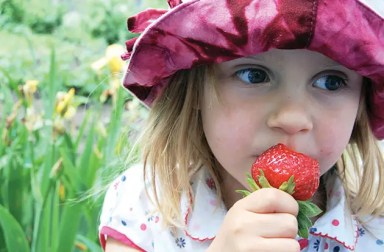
x=290, y=117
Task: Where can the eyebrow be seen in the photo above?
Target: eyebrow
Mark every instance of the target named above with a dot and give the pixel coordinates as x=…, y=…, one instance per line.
x=338, y=67
x=255, y=57
x=330, y=65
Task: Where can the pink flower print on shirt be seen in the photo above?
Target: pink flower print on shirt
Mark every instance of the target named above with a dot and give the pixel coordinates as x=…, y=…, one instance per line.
x=116, y=185
x=210, y=183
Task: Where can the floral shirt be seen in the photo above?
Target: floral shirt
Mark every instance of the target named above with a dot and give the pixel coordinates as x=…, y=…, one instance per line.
x=130, y=217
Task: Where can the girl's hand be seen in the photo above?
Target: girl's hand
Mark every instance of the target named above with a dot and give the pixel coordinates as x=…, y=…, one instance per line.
x=263, y=221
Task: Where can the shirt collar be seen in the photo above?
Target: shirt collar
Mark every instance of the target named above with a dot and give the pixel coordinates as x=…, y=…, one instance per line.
x=337, y=223
x=204, y=219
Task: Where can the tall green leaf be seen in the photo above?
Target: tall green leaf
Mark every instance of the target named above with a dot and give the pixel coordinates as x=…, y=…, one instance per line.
x=14, y=235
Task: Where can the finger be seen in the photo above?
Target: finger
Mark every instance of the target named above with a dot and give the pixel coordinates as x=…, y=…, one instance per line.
x=274, y=225
x=270, y=200
x=278, y=245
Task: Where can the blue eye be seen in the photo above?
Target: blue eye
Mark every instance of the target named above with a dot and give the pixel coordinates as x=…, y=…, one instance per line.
x=252, y=75
x=330, y=82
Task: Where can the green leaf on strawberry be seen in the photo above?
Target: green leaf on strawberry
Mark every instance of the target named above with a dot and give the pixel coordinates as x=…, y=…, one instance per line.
x=308, y=208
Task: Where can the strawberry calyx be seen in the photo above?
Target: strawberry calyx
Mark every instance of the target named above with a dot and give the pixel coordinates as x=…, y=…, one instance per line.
x=307, y=209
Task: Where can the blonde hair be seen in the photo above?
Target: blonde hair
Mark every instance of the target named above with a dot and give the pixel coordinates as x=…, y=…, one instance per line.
x=174, y=148
x=173, y=143
x=361, y=167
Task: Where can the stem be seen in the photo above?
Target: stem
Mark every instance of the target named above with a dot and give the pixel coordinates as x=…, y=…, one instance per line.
x=37, y=226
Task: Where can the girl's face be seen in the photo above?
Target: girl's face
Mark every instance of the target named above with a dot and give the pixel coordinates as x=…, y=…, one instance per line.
x=299, y=98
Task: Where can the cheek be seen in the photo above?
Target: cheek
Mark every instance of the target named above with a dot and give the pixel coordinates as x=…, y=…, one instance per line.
x=223, y=132
x=230, y=133
x=333, y=139
x=229, y=123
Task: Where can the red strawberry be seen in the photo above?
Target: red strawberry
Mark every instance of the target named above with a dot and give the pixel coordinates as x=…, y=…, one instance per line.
x=292, y=172
x=279, y=163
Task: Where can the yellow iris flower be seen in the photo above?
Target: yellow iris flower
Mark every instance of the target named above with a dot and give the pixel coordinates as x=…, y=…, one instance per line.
x=112, y=59
x=29, y=89
x=65, y=107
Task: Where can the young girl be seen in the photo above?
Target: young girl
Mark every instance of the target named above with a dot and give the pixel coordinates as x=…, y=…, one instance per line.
x=225, y=80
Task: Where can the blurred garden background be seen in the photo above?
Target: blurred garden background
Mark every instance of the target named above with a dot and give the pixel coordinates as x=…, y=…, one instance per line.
x=66, y=125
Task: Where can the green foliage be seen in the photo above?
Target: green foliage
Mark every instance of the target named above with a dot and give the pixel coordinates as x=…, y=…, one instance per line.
x=11, y=11
x=47, y=170
x=45, y=20
x=14, y=237
x=44, y=17
x=54, y=167
x=109, y=22
x=109, y=17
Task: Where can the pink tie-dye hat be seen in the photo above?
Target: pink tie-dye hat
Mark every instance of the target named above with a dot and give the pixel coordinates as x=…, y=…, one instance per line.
x=194, y=32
